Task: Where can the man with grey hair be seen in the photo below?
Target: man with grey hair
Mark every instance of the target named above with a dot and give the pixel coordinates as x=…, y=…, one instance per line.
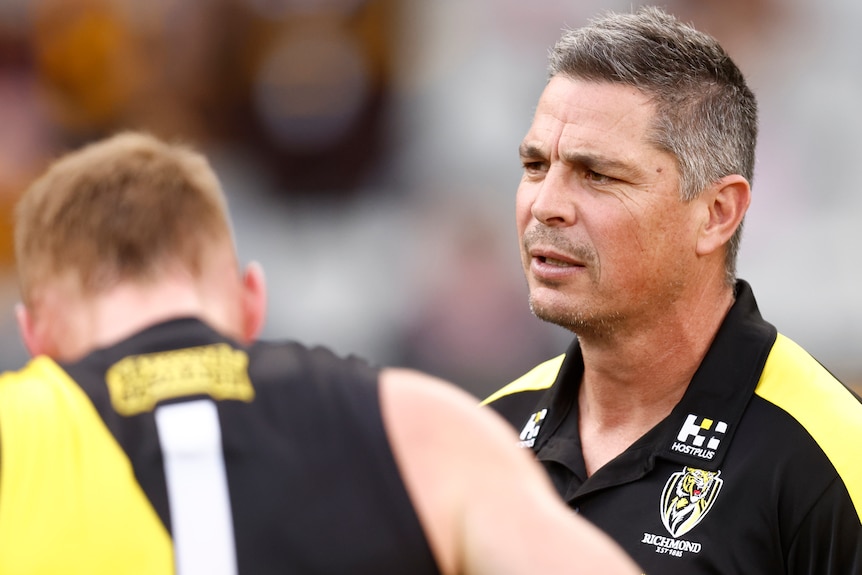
x=679, y=420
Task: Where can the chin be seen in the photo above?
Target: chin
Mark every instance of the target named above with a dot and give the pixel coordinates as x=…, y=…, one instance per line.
x=578, y=320
x=553, y=312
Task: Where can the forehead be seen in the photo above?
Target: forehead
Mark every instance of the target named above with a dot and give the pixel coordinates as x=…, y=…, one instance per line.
x=581, y=116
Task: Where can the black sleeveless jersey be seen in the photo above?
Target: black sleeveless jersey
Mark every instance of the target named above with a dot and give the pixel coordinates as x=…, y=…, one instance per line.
x=186, y=451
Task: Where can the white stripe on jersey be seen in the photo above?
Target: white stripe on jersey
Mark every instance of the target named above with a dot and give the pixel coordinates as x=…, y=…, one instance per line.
x=202, y=525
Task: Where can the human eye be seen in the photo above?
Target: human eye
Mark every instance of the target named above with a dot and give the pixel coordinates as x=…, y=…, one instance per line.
x=533, y=166
x=533, y=160
x=597, y=177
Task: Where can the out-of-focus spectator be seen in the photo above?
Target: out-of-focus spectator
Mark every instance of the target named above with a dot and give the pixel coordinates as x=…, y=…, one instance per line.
x=87, y=59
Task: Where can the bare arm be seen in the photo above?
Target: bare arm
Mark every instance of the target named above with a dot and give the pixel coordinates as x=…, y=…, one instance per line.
x=486, y=506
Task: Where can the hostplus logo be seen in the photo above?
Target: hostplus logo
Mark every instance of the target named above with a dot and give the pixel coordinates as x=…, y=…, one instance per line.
x=531, y=430
x=699, y=437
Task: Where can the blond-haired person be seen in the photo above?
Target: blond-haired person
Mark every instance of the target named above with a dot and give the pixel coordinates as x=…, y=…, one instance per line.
x=152, y=433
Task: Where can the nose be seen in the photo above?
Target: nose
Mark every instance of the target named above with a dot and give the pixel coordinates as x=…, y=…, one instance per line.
x=553, y=204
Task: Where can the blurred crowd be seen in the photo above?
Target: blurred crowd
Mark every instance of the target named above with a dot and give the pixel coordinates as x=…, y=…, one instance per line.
x=369, y=151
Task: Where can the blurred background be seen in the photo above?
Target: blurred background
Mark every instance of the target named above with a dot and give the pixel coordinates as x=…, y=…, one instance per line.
x=369, y=152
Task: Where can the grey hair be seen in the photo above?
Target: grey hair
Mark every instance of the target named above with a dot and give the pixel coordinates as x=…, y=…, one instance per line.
x=706, y=115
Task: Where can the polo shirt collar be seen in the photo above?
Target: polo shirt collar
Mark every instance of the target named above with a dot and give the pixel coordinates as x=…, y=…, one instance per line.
x=698, y=431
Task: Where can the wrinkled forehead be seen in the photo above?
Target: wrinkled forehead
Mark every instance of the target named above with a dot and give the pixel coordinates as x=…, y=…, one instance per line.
x=577, y=117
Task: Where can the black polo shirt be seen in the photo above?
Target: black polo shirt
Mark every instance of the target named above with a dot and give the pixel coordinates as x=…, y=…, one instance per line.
x=758, y=469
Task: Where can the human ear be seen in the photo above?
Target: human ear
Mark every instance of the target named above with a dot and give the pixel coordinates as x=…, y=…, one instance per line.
x=726, y=202
x=29, y=334
x=253, y=301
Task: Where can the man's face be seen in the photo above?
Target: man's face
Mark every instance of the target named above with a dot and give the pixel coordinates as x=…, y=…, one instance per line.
x=605, y=239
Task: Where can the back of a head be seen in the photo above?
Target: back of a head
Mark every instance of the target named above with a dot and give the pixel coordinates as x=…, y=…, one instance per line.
x=706, y=115
x=118, y=210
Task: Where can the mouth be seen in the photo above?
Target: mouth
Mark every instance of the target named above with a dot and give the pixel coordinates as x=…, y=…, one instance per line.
x=550, y=268
x=554, y=259
x=551, y=261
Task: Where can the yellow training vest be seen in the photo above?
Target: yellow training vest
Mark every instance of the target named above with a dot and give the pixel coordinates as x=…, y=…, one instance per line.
x=69, y=500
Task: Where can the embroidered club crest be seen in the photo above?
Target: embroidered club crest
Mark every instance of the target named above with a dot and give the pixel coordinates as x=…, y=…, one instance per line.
x=687, y=497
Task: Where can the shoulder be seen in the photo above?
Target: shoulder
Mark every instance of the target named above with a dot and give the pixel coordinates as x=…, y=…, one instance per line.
x=35, y=378
x=826, y=409
x=467, y=479
x=797, y=383
x=414, y=402
x=446, y=448
x=289, y=359
x=314, y=388
x=539, y=378
x=518, y=401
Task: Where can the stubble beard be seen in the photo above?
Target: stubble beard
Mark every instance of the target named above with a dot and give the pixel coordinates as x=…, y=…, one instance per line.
x=581, y=322
x=573, y=316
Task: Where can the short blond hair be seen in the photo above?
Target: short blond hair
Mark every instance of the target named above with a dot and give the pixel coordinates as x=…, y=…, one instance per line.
x=119, y=209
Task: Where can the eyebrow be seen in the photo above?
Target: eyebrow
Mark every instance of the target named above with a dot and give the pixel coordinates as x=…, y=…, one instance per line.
x=593, y=162
x=600, y=163
x=530, y=151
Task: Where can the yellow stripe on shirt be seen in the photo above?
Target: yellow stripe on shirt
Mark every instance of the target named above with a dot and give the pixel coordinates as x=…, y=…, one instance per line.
x=540, y=377
x=798, y=384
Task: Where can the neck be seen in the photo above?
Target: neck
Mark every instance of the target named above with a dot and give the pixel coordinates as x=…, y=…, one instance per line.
x=631, y=382
x=129, y=309
x=89, y=323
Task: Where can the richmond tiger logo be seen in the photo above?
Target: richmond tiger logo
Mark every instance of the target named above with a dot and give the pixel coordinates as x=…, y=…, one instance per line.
x=687, y=497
